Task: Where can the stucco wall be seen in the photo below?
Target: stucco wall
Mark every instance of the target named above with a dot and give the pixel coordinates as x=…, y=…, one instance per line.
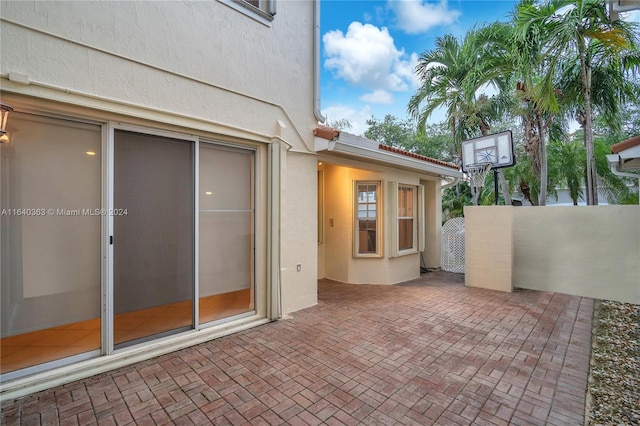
x=339, y=262
x=433, y=218
x=182, y=66
x=591, y=251
x=489, y=247
x=198, y=59
x=298, y=233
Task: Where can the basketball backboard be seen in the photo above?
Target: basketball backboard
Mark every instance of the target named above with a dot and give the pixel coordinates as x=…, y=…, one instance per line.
x=496, y=149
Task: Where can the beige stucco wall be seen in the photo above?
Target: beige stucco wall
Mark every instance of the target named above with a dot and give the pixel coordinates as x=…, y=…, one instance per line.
x=489, y=247
x=198, y=59
x=337, y=248
x=298, y=233
x=189, y=66
x=433, y=218
x=591, y=251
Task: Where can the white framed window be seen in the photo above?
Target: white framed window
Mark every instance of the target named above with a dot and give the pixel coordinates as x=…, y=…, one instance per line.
x=407, y=230
x=367, y=219
x=408, y=218
x=262, y=11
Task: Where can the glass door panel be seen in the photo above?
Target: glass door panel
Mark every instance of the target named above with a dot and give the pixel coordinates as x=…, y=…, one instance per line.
x=50, y=239
x=153, y=236
x=226, y=232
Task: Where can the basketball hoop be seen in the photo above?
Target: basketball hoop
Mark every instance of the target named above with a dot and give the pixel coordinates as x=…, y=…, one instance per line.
x=478, y=172
x=484, y=153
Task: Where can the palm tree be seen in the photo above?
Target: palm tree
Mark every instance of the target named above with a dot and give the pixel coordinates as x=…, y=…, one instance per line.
x=517, y=61
x=570, y=29
x=567, y=163
x=450, y=76
x=442, y=73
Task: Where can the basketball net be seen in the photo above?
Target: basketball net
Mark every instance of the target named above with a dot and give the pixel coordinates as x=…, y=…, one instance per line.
x=477, y=172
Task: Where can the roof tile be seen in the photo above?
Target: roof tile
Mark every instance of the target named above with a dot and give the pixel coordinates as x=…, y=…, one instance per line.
x=629, y=143
x=418, y=156
x=326, y=133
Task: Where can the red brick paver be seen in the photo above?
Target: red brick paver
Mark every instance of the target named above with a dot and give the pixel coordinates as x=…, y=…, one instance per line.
x=430, y=351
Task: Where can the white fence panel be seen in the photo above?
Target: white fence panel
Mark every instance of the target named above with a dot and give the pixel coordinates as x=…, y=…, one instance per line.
x=452, y=259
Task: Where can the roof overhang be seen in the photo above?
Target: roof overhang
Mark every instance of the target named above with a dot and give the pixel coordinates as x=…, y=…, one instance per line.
x=349, y=146
x=626, y=154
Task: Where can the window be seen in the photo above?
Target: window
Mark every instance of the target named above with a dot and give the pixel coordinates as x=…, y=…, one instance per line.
x=406, y=217
x=367, y=219
x=265, y=6
x=261, y=10
x=407, y=234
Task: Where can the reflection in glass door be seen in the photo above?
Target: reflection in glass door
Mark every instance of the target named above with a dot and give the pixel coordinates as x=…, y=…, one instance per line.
x=50, y=255
x=226, y=280
x=153, y=236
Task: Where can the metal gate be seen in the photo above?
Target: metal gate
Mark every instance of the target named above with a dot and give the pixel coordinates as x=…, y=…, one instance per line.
x=452, y=259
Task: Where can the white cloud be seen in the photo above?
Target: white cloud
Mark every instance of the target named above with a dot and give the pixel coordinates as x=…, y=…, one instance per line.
x=419, y=16
x=407, y=71
x=357, y=118
x=366, y=56
x=378, y=97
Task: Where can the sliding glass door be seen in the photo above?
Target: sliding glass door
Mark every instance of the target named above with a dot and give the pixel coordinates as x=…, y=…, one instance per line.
x=50, y=242
x=153, y=236
x=226, y=201
x=135, y=238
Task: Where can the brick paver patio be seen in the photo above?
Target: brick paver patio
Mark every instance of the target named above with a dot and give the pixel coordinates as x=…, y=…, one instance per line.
x=430, y=351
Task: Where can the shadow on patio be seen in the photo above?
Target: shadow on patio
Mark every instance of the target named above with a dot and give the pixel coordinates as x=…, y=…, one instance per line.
x=429, y=351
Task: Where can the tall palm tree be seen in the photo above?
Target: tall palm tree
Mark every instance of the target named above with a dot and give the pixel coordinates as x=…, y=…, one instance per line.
x=569, y=29
x=442, y=73
x=450, y=76
x=516, y=55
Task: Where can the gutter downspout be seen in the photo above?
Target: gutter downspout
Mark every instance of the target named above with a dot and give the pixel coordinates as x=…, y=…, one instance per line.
x=450, y=184
x=316, y=63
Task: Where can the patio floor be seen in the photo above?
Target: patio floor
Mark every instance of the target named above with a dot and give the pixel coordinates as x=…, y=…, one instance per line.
x=429, y=351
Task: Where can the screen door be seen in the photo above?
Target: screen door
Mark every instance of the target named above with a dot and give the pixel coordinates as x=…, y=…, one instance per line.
x=153, y=236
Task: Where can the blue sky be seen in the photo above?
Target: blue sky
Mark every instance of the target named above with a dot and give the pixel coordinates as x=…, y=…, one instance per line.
x=370, y=48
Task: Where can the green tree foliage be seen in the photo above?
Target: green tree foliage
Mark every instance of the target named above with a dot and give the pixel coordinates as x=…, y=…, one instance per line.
x=390, y=131
x=435, y=142
x=567, y=166
x=580, y=34
x=454, y=199
x=452, y=77
x=629, y=117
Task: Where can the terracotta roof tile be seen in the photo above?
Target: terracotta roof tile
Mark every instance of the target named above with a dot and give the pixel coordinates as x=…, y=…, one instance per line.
x=418, y=156
x=326, y=133
x=629, y=143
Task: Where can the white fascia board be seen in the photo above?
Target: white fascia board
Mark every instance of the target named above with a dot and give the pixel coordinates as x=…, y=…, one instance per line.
x=630, y=153
x=629, y=159
x=393, y=160
x=321, y=144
